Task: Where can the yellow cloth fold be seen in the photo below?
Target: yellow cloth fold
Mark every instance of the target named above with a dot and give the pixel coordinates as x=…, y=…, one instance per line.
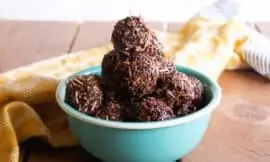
x=211, y=46
x=27, y=103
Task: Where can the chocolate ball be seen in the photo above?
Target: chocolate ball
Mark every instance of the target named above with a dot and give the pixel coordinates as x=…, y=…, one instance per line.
x=167, y=69
x=111, y=79
x=199, y=91
x=84, y=93
x=129, y=111
x=152, y=109
x=138, y=76
x=109, y=61
x=132, y=34
x=108, y=73
x=111, y=108
x=134, y=75
x=183, y=93
x=151, y=50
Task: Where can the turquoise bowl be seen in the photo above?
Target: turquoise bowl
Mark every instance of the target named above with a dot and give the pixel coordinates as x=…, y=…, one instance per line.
x=161, y=141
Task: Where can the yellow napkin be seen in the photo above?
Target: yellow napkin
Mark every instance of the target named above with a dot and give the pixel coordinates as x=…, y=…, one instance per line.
x=211, y=46
x=27, y=103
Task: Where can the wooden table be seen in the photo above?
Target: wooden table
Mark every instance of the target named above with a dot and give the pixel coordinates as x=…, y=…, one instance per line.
x=239, y=130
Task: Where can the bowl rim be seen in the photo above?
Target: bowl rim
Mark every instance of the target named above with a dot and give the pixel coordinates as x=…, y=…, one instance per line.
x=214, y=87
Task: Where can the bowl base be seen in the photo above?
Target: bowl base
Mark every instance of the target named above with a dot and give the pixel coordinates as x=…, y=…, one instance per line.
x=162, y=161
x=180, y=160
x=98, y=160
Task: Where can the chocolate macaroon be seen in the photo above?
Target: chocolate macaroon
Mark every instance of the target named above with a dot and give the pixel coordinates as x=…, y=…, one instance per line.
x=138, y=76
x=133, y=75
x=166, y=70
x=108, y=74
x=152, y=109
x=131, y=34
x=111, y=108
x=84, y=93
x=183, y=93
x=199, y=90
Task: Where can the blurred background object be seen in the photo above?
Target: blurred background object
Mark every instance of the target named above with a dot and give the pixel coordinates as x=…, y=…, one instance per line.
x=107, y=10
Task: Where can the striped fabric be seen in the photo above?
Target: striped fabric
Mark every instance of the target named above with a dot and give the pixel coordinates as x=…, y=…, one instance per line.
x=256, y=51
x=257, y=54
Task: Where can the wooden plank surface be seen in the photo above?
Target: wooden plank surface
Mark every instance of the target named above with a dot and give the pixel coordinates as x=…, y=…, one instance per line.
x=93, y=34
x=42, y=152
x=24, y=42
x=239, y=130
x=240, y=127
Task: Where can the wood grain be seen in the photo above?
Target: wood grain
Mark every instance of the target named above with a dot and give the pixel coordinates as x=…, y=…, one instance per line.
x=24, y=42
x=42, y=152
x=240, y=126
x=93, y=34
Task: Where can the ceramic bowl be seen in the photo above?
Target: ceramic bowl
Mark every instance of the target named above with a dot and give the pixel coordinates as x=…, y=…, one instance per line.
x=160, y=141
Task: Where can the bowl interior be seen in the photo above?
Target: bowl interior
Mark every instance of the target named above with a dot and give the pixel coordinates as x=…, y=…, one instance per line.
x=213, y=96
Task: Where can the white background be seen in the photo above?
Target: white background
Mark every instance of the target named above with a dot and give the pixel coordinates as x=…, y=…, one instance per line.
x=156, y=10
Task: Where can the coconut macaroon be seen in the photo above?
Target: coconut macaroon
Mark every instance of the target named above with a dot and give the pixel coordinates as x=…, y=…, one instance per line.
x=84, y=93
x=183, y=93
x=131, y=34
x=153, y=109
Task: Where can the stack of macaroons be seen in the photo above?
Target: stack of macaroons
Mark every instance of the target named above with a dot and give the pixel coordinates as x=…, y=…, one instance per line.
x=137, y=82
